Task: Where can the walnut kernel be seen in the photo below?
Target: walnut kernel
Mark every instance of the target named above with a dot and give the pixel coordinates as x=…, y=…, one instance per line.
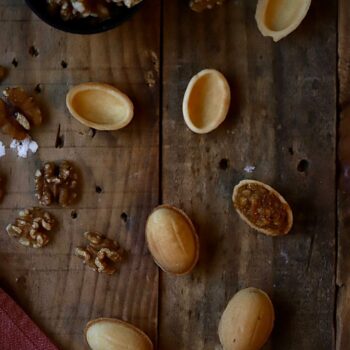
x=101, y=253
x=56, y=184
x=24, y=103
x=18, y=113
x=9, y=125
x=31, y=227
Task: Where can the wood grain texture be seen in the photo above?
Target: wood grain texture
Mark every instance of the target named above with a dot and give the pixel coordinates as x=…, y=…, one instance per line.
x=283, y=111
x=51, y=284
x=343, y=266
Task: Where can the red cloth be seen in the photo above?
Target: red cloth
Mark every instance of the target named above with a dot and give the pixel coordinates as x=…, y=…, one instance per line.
x=17, y=330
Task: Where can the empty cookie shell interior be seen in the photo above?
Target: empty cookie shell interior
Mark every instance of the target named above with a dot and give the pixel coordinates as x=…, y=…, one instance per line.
x=278, y=18
x=206, y=101
x=100, y=106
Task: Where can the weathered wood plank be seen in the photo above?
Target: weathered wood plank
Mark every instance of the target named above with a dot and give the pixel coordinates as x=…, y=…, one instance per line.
x=283, y=112
x=51, y=284
x=343, y=266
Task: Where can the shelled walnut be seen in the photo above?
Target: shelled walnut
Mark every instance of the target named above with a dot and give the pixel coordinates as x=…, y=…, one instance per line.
x=18, y=113
x=31, y=227
x=56, y=184
x=201, y=5
x=101, y=254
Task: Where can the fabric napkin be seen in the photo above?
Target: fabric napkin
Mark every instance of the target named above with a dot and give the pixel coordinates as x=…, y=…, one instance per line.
x=17, y=330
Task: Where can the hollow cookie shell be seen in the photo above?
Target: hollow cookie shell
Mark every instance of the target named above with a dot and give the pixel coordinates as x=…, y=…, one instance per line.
x=247, y=321
x=100, y=106
x=262, y=208
x=206, y=101
x=278, y=18
x=172, y=240
x=113, y=334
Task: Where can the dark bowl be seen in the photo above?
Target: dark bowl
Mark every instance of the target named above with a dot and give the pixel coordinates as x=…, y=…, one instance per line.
x=89, y=25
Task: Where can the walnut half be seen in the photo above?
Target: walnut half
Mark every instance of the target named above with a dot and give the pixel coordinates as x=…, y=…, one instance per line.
x=101, y=254
x=31, y=227
x=56, y=184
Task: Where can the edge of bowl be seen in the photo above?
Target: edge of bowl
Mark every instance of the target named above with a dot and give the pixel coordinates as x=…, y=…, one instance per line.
x=81, y=26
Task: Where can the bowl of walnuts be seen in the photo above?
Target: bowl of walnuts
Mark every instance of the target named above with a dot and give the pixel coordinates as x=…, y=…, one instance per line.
x=84, y=16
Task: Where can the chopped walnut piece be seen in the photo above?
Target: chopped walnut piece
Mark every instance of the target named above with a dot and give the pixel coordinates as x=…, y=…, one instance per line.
x=31, y=227
x=201, y=5
x=56, y=184
x=101, y=254
x=22, y=120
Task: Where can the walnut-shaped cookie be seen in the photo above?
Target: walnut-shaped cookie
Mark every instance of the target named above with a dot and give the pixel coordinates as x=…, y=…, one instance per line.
x=262, y=208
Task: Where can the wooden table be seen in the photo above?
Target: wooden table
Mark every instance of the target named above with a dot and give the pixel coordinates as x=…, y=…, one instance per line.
x=287, y=100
